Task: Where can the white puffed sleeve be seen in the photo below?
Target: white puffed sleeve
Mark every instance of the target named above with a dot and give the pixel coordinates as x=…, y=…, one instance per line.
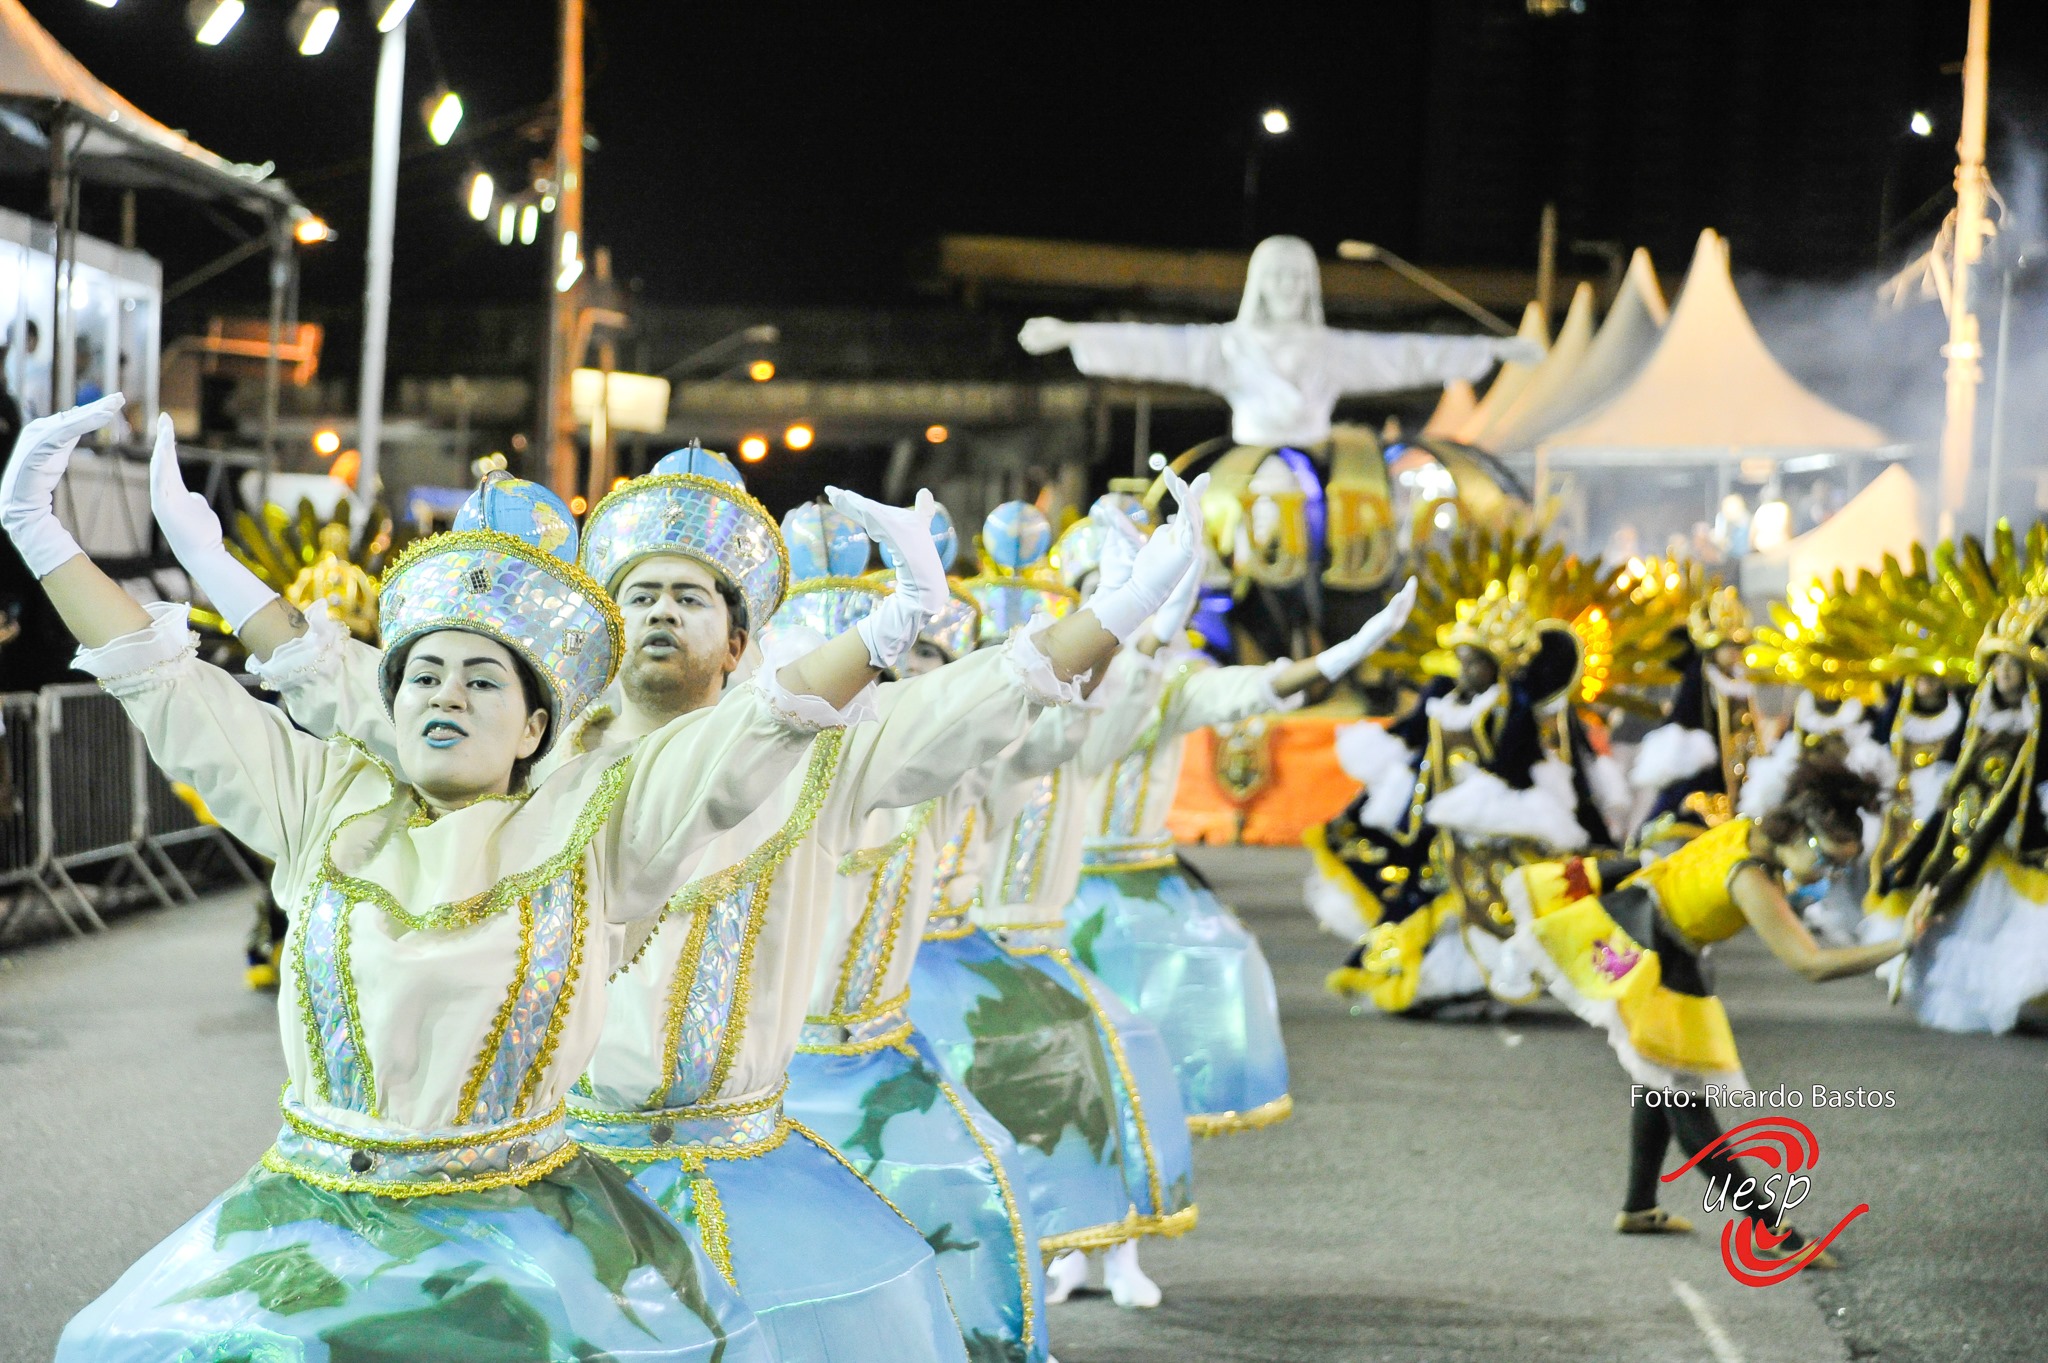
x=330, y=683
x=1223, y=695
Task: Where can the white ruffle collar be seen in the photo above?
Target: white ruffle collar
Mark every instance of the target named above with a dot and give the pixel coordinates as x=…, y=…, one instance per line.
x=2001, y=720
x=1808, y=719
x=1461, y=715
x=1723, y=684
x=1918, y=728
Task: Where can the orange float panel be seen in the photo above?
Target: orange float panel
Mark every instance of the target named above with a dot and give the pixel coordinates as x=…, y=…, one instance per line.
x=1307, y=787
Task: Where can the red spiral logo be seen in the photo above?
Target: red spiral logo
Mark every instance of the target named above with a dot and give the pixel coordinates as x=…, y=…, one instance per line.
x=1782, y=1143
x=1742, y=1241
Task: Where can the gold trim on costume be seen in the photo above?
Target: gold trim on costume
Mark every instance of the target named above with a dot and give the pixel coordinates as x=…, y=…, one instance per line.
x=1252, y=1119
x=1116, y=1232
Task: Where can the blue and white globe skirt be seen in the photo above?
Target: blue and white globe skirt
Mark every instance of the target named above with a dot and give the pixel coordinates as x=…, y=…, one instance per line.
x=1177, y=956
x=878, y=1093
x=830, y=1270
x=496, y=1243
x=1082, y=1085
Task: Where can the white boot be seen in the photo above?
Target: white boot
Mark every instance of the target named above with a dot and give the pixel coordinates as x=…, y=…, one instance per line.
x=1127, y=1283
x=1067, y=1271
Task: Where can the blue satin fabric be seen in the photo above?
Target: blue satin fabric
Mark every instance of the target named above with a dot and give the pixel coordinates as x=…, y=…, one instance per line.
x=1045, y=1054
x=944, y=1162
x=832, y=1274
x=573, y=1266
x=1181, y=960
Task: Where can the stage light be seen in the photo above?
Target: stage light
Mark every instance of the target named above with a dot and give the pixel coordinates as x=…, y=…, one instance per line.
x=799, y=437
x=508, y=223
x=578, y=505
x=1156, y=461
x=1275, y=122
x=481, y=189
x=936, y=434
x=444, y=115
x=326, y=442
x=390, y=13
x=312, y=26
x=572, y=264
x=754, y=449
x=211, y=19
x=1920, y=124
x=760, y=371
x=547, y=203
x=106, y=4
x=529, y=225
x=311, y=231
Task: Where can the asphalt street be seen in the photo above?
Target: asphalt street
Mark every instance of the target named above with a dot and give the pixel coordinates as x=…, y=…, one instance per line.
x=1444, y=1192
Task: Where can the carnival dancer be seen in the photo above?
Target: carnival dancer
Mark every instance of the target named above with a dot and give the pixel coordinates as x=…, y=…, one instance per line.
x=1626, y=947
x=1984, y=861
x=441, y=992
x=1142, y=921
x=1923, y=729
x=1084, y=1088
x=1694, y=765
x=685, y=1084
x=1455, y=796
x=868, y=1081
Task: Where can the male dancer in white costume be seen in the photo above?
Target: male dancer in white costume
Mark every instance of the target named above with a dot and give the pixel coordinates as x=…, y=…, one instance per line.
x=705, y=1017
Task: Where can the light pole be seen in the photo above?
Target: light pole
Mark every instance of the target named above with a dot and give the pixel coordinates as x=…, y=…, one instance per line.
x=555, y=419
x=1959, y=431
x=1273, y=123
x=390, y=110
x=1415, y=274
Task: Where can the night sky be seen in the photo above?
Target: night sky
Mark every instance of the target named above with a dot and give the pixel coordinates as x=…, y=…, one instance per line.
x=807, y=152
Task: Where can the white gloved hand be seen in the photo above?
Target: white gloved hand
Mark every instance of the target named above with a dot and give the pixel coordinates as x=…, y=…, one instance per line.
x=193, y=532
x=1160, y=565
x=1172, y=620
x=1121, y=541
x=1338, y=659
x=28, y=509
x=891, y=628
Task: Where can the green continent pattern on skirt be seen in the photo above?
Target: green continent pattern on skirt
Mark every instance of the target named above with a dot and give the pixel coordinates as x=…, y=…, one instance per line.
x=572, y=1268
x=950, y=1167
x=1026, y=1048
x=832, y=1274
x=1179, y=958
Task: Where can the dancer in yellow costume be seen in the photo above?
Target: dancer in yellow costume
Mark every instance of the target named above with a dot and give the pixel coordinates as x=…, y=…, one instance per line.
x=1628, y=948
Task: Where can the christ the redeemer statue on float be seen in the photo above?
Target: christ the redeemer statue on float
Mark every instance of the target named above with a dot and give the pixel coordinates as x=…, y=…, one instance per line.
x=1283, y=371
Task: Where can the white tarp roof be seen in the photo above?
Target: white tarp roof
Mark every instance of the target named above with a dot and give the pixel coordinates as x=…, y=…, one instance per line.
x=1453, y=409
x=1710, y=392
x=1567, y=353
x=121, y=144
x=1508, y=384
x=1624, y=342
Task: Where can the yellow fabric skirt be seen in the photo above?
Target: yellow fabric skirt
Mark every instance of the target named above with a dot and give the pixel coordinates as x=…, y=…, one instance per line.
x=1568, y=935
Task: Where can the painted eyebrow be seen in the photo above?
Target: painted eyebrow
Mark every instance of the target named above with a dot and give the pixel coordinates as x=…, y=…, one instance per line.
x=679, y=585
x=482, y=662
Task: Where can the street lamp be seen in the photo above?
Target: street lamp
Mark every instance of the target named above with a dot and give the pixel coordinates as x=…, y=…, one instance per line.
x=481, y=190
x=390, y=13
x=312, y=26
x=1365, y=250
x=799, y=437
x=508, y=222
x=1275, y=122
x=311, y=231
x=1920, y=125
x=211, y=19
x=529, y=224
x=754, y=449
x=444, y=113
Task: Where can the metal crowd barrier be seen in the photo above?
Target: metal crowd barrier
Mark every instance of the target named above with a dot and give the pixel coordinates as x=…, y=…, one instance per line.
x=77, y=790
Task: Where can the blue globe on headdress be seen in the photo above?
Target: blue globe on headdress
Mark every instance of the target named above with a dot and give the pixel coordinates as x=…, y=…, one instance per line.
x=1015, y=536
x=523, y=510
x=944, y=536
x=823, y=542
x=699, y=462
x=1128, y=503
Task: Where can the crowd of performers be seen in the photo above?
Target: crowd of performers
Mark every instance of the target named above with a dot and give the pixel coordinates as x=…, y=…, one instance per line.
x=1892, y=822
x=701, y=942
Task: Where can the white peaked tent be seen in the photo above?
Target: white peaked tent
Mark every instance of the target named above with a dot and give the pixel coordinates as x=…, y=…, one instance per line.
x=1882, y=519
x=1453, y=409
x=1624, y=342
x=1508, y=384
x=1567, y=353
x=1709, y=394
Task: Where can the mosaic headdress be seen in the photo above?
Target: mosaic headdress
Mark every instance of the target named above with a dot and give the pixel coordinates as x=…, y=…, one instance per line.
x=1077, y=552
x=549, y=612
x=525, y=510
x=826, y=606
x=1016, y=583
x=945, y=538
x=1499, y=624
x=957, y=627
x=824, y=542
x=708, y=519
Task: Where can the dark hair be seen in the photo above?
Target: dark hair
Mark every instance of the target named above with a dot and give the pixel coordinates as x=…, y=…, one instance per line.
x=735, y=604
x=1822, y=796
x=536, y=699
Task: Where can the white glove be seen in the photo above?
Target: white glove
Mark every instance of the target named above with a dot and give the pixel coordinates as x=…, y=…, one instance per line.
x=193, y=532
x=1338, y=659
x=891, y=628
x=1160, y=565
x=1121, y=542
x=1172, y=620
x=28, y=493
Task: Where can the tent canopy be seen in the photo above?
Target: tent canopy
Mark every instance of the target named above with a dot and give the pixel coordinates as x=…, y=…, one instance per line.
x=1567, y=353
x=1619, y=349
x=1513, y=377
x=1882, y=519
x=1453, y=409
x=1710, y=392
x=43, y=87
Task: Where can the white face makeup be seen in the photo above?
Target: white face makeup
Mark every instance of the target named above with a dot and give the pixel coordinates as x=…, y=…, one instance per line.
x=462, y=716
x=680, y=640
